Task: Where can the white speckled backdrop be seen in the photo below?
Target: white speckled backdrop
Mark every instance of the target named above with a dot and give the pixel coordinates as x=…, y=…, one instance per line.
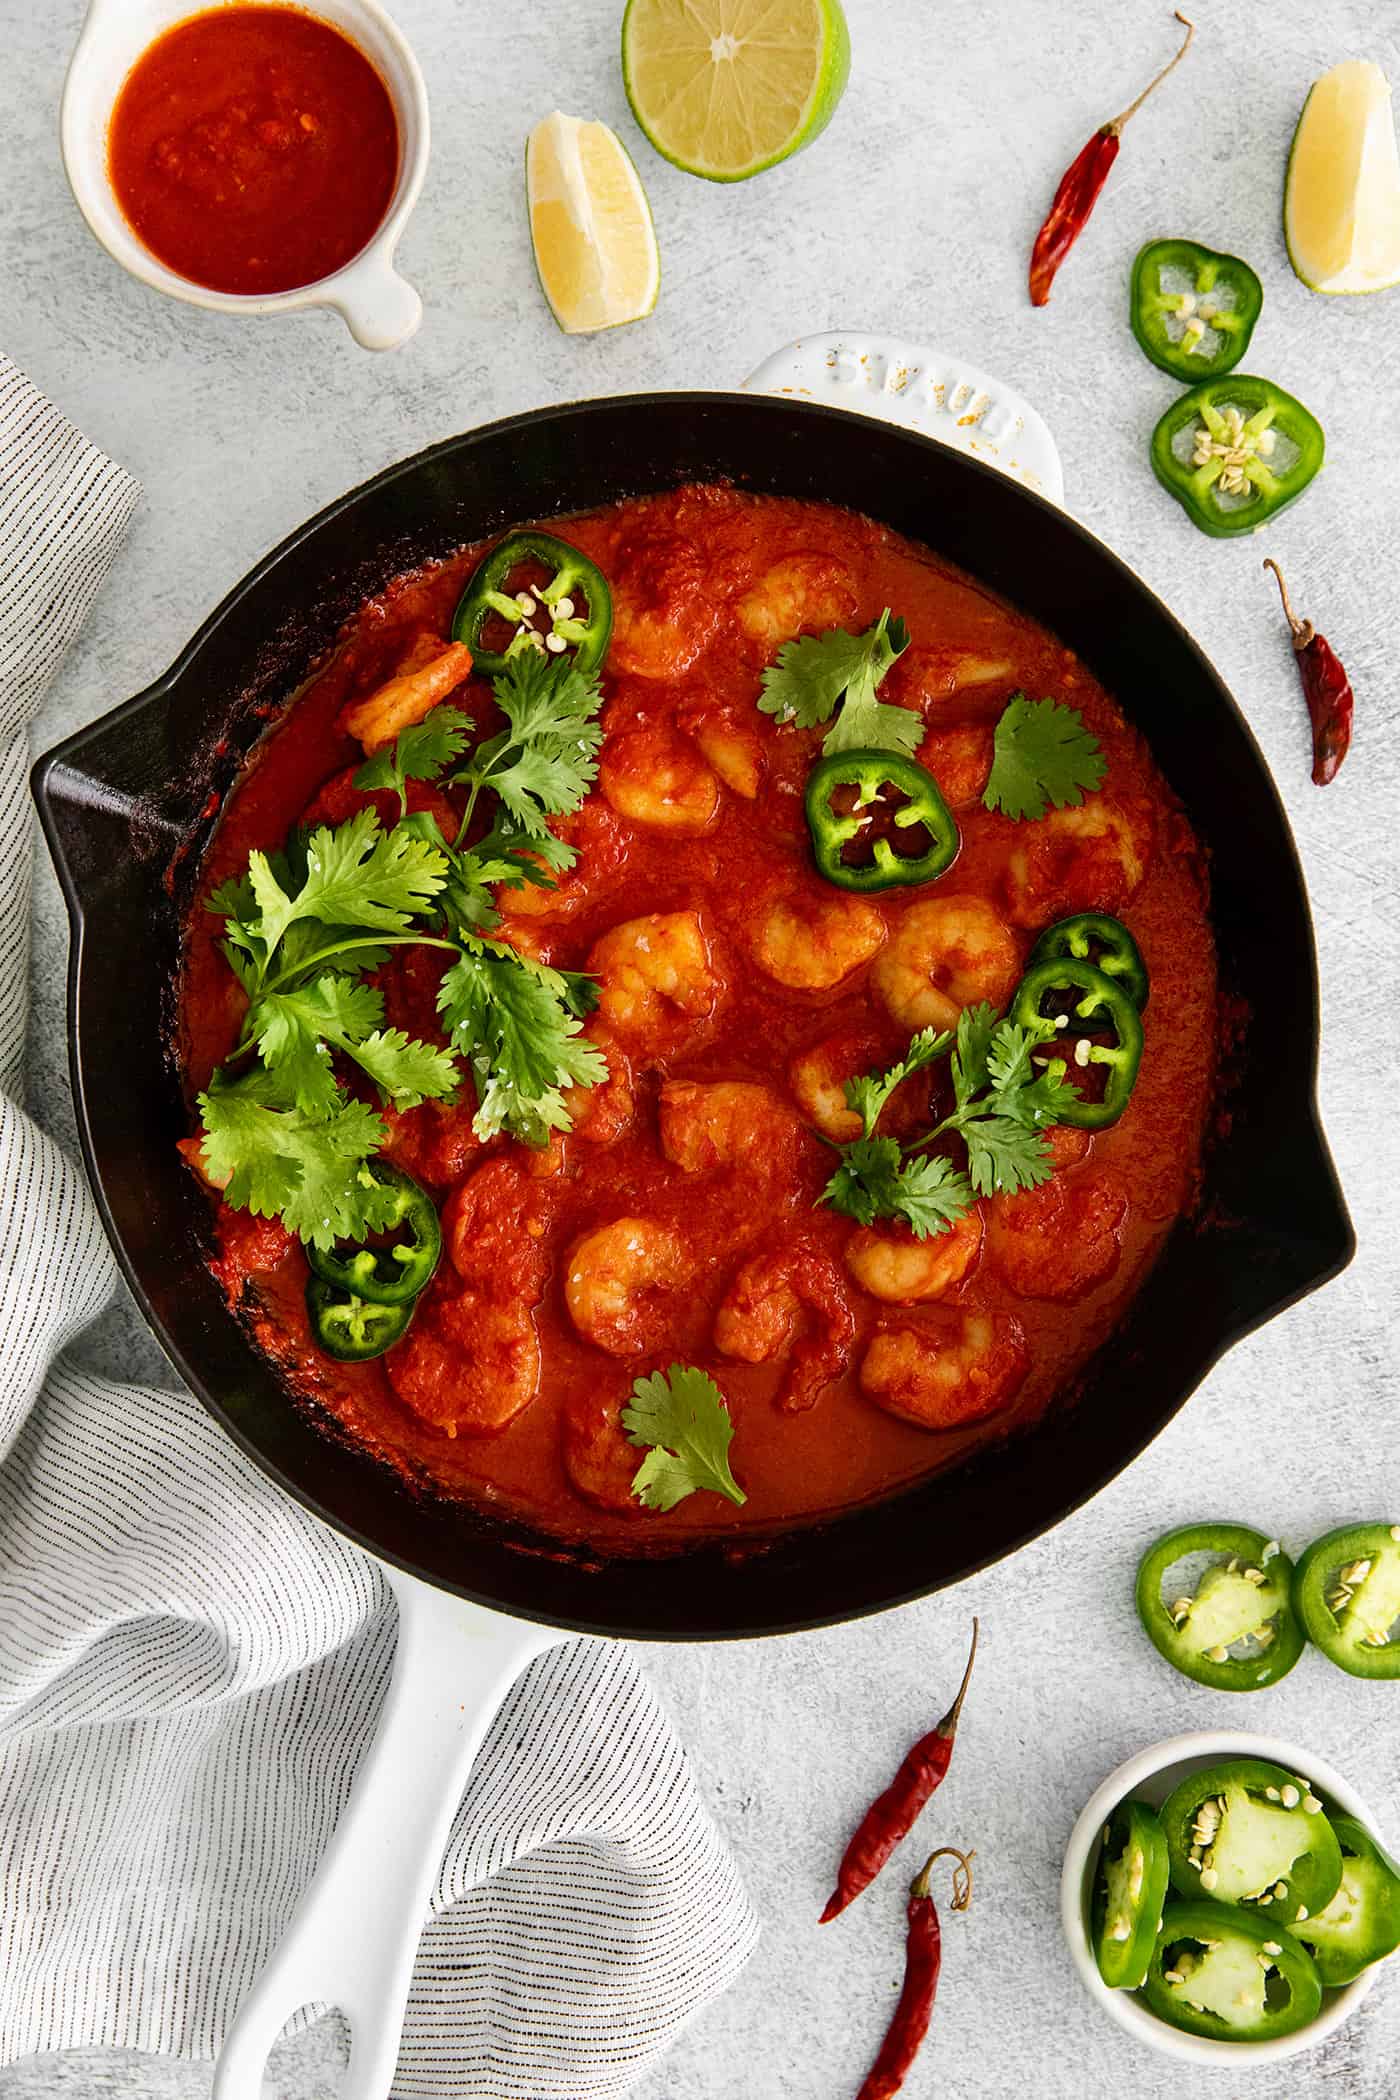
x=914, y=213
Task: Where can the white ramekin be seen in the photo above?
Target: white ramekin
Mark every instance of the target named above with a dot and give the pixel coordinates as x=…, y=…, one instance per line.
x=379, y=308
x=1151, y=1776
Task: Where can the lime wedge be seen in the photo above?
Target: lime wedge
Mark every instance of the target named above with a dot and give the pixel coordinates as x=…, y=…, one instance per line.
x=726, y=88
x=1341, y=197
x=590, y=223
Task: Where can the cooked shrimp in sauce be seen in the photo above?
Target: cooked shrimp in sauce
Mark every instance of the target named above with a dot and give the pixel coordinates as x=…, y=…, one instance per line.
x=735, y=995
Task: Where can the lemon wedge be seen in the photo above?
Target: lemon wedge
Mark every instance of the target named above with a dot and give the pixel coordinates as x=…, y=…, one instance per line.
x=726, y=88
x=590, y=223
x=1341, y=198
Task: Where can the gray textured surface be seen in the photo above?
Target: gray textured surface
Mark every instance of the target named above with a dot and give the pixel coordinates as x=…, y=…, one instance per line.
x=914, y=213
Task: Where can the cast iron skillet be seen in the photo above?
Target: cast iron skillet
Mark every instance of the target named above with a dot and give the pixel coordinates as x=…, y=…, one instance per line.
x=124, y=799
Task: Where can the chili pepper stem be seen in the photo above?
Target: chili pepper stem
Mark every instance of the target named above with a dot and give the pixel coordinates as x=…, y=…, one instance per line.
x=1115, y=125
x=921, y=1886
x=949, y=1724
x=1302, y=630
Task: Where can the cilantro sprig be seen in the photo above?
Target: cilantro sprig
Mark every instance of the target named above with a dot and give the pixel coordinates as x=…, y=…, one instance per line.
x=813, y=673
x=282, y=1133
x=1041, y=754
x=681, y=1416
x=1002, y=1108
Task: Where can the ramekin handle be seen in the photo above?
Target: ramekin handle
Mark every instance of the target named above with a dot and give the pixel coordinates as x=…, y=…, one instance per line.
x=926, y=390
x=353, y=1936
x=380, y=308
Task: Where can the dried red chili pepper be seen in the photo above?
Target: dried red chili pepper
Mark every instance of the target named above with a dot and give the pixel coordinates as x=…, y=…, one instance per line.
x=1079, y=189
x=923, y=1958
x=895, y=1813
x=1326, y=688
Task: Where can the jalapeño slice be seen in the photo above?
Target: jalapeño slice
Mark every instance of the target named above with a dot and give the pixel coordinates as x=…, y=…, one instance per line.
x=1235, y=451
x=1192, y=309
x=1251, y=1833
x=1361, y=1924
x=1347, y=1594
x=534, y=592
x=351, y=1329
x=1230, y=1975
x=878, y=821
x=1092, y=1004
x=1234, y=1628
x=1099, y=938
x=1130, y=1888
x=393, y=1271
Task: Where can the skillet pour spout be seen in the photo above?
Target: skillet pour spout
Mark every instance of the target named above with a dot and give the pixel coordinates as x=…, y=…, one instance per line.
x=128, y=804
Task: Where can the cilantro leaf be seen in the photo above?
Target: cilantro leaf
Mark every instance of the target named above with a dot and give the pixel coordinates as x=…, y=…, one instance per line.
x=357, y=874
x=517, y=1023
x=682, y=1416
x=877, y=1180
x=813, y=672
x=419, y=752
x=868, y=1094
x=275, y=1160
x=1005, y=1153
x=976, y=1027
x=545, y=762
x=296, y=1032
x=1042, y=753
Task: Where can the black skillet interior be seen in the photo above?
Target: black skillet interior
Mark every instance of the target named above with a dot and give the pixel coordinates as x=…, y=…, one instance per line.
x=121, y=799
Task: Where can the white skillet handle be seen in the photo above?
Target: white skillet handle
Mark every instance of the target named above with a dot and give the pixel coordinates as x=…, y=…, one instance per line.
x=926, y=390
x=352, y=1939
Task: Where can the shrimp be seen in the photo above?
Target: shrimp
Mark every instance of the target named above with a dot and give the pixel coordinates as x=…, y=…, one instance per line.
x=340, y=798
x=663, y=611
x=605, y=1111
x=927, y=676
x=800, y=592
x=762, y=1316
x=730, y=1124
x=623, y=1283
x=946, y=1377
x=1060, y=1240
x=658, y=986
x=946, y=954
x=732, y=749
x=657, y=777
x=818, y=1075
x=433, y=1142
x=811, y=943
x=1086, y=859
x=377, y=719
x=495, y=1226
x=1067, y=1145
x=468, y=1364
x=599, y=839
x=598, y=1458
x=960, y=760
x=889, y=1262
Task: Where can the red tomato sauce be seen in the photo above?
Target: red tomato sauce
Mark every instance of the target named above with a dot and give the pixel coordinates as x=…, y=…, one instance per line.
x=253, y=149
x=707, y=585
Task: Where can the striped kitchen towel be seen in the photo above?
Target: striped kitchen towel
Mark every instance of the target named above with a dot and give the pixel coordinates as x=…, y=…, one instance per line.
x=190, y=1665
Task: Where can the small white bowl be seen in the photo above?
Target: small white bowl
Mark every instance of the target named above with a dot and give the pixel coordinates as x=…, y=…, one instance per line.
x=1150, y=1777
x=379, y=308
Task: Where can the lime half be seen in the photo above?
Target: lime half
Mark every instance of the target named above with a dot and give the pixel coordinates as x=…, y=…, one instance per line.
x=726, y=88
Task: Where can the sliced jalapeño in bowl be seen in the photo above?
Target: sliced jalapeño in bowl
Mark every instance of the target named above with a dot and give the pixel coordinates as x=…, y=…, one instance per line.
x=878, y=821
x=534, y=591
x=1231, y=1625
x=1230, y=1974
x=1361, y=1924
x=1130, y=1887
x=1099, y=938
x=1250, y=1833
